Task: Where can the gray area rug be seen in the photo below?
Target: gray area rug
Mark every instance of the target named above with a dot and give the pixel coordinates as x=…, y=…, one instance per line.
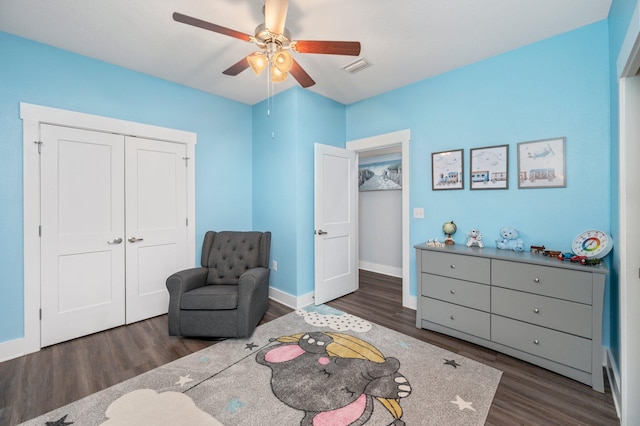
x=315, y=366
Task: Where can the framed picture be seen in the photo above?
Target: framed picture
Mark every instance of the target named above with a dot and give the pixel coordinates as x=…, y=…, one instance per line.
x=446, y=167
x=542, y=164
x=489, y=167
x=380, y=173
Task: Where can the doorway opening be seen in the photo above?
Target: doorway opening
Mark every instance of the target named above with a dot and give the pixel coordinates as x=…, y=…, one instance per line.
x=387, y=143
x=380, y=211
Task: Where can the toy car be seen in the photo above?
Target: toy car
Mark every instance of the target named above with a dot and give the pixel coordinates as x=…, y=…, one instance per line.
x=565, y=256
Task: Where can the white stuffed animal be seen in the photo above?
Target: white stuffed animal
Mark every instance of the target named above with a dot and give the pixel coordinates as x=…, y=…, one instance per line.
x=474, y=238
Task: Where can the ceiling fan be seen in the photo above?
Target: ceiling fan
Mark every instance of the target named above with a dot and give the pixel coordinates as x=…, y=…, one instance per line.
x=275, y=44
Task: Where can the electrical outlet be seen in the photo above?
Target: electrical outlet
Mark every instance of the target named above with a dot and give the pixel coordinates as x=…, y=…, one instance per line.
x=274, y=265
x=418, y=213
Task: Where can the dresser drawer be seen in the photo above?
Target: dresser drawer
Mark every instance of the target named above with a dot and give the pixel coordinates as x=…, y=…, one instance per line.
x=561, y=315
x=463, y=319
x=553, y=345
x=567, y=284
x=469, y=268
x=465, y=293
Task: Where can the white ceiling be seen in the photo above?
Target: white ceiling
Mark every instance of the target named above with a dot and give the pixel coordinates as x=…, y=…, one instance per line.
x=405, y=40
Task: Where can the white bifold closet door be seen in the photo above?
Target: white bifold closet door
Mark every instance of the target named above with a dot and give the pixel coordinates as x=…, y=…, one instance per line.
x=113, y=217
x=156, y=214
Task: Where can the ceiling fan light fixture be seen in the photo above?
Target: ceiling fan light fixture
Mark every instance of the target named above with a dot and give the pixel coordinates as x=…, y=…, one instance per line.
x=257, y=61
x=283, y=61
x=278, y=76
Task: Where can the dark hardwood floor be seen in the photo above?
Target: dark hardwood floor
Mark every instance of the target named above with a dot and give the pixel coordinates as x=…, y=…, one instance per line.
x=527, y=395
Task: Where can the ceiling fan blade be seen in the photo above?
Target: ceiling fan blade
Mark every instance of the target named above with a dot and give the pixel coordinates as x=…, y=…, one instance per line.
x=350, y=48
x=179, y=17
x=275, y=15
x=237, y=68
x=301, y=75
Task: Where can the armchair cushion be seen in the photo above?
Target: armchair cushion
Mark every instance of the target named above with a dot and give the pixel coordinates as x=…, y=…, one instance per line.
x=211, y=297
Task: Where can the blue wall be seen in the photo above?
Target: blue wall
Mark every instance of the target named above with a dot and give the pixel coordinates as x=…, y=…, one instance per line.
x=274, y=183
x=557, y=87
x=283, y=182
x=35, y=73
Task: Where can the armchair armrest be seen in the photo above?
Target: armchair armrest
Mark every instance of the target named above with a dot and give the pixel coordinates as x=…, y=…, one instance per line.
x=252, y=279
x=178, y=284
x=253, y=298
x=187, y=280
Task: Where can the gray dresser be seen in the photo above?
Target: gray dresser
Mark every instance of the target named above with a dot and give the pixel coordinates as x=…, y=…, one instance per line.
x=539, y=309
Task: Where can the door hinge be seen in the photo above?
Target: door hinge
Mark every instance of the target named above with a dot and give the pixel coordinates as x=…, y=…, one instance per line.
x=186, y=161
x=186, y=221
x=39, y=143
x=40, y=314
x=39, y=230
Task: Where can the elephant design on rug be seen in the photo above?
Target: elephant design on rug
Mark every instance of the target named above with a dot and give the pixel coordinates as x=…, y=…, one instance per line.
x=334, y=378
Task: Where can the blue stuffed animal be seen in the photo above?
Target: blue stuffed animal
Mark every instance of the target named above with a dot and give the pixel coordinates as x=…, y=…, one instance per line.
x=509, y=239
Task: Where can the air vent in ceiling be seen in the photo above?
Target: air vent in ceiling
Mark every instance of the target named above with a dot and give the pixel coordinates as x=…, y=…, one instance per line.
x=357, y=65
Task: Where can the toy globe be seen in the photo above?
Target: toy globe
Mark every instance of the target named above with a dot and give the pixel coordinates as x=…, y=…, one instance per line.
x=449, y=228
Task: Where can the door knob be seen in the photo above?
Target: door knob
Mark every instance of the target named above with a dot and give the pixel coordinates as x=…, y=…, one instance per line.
x=115, y=241
x=134, y=239
x=321, y=232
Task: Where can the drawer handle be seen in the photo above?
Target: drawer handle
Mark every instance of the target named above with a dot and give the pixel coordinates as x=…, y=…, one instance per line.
x=452, y=317
x=453, y=292
x=536, y=280
x=453, y=266
x=536, y=311
x=536, y=341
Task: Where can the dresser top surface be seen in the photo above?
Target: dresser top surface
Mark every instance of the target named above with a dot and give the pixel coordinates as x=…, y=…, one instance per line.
x=510, y=255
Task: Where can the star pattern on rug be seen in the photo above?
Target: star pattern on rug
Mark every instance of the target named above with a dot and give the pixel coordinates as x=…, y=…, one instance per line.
x=60, y=422
x=403, y=344
x=234, y=405
x=184, y=380
x=451, y=362
x=462, y=404
x=251, y=346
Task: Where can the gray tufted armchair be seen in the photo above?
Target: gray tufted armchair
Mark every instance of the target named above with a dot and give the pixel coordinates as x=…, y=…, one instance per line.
x=229, y=294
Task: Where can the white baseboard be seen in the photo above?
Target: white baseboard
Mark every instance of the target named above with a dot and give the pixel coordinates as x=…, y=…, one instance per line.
x=13, y=349
x=290, y=300
x=411, y=303
x=613, y=374
x=380, y=269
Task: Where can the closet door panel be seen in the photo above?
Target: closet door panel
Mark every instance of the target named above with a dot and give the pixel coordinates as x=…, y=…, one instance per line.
x=82, y=249
x=156, y=224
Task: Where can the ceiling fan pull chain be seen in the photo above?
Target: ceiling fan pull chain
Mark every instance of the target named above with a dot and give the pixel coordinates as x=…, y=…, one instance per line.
x=269, y=91
x=269, y=88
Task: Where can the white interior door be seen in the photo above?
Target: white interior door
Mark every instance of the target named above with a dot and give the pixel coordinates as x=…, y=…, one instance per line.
x=336, y=197
x=156, y=222
x=82, y=249
x=629, y=249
